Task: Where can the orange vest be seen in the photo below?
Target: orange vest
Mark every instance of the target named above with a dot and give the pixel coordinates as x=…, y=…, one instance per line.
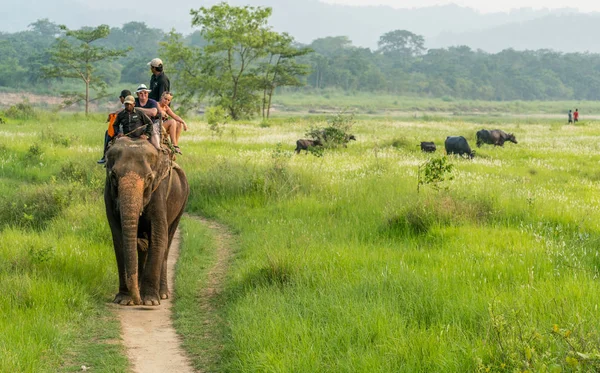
x=111, y=121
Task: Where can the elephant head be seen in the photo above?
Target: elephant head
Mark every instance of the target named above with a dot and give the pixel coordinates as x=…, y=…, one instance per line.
x=134, y=170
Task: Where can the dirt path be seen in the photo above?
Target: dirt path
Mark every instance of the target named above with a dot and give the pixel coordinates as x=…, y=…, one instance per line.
x=139, y=324
x=148, y=334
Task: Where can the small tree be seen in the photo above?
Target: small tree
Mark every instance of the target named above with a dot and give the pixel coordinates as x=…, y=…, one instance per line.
x=281, y=68
x=434, y=172
x=73, y=56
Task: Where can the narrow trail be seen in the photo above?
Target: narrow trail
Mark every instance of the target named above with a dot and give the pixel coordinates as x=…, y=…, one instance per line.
x=148, y=334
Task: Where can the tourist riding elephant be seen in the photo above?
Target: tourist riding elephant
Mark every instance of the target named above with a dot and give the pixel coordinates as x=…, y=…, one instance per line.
x=145, y=194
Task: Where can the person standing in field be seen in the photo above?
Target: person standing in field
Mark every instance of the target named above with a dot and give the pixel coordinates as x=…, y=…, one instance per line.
x=172, y=122
x=576, y=116
x=570, y=116
x=159, y=82
x=109, y=134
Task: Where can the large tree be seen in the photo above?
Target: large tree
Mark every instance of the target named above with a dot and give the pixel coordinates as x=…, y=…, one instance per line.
x=401, y=43
x=237, y=37
x=74, y=56
x=281, y=69
x=238, y=42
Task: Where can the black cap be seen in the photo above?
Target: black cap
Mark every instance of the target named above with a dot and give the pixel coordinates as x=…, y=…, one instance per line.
x=125, y=93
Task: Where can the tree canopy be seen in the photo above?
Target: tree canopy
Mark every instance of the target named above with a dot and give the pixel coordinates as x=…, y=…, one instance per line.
x=74, y=56
x=207, y=64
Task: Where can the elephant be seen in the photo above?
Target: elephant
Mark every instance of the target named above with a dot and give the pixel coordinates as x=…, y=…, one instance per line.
x=145, y=194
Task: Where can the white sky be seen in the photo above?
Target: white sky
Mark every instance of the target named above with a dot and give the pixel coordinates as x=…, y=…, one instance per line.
x=484, y=6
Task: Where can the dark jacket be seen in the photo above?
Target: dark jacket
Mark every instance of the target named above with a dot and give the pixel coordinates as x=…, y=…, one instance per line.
x=158, y=84
x=133, y=124
x=150, y=104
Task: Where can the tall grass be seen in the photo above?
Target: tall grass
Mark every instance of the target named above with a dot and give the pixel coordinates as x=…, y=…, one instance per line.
x=343, y=266
x=340, y=264
x=56, y=260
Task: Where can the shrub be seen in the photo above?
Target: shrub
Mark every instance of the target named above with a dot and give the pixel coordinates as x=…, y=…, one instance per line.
x=23, y=110
x=400, y=142
x=336, y=133
x=216, y=119
x=77, y=172
x=278, y=181
x=438, y=210
x=56, y=138
x=34, y=153
x=434, y=172
x=34, y=208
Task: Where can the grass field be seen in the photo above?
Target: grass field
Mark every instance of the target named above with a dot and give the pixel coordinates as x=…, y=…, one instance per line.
x=340, y=264
x=378, y=104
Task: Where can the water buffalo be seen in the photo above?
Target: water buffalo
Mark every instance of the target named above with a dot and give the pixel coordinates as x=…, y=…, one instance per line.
x=494, y=137
x=347, y=139
x=458, y=145
x=428, y=146
x=304, y=144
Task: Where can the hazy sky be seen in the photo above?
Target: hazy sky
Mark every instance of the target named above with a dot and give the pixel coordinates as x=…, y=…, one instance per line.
x=485, y=6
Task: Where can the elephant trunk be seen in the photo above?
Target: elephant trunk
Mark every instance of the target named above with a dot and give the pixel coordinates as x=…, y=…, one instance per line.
x=131, y=191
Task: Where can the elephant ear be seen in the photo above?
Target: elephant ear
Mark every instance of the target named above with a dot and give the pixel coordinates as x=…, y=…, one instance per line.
x=162, y=169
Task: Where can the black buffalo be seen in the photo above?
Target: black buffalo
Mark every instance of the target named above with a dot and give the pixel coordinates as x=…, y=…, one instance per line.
x=347, y=139
x=494, y=137
x=458, y=145
x=428, y=146
x=304, y=144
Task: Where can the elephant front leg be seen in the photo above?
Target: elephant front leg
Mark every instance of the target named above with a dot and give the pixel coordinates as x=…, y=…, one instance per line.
x=122, y=297
x=151, y=281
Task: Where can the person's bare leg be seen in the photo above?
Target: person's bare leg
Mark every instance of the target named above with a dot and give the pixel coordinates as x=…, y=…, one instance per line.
x=178, y=128
x=170, y=127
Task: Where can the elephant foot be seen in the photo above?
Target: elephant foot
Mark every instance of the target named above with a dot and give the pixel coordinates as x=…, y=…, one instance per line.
x=164, y=293
x=123, y=299
x=150, y=300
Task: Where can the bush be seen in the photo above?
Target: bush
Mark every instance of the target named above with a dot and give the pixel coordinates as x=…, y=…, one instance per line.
x=216, y=119
x=34, y=153
x=78, y=173
x=35, y=208
x=401, y=142
x=23, y=110
x=434, y=172
x=336, y=133
x=440, y=210
x=56, y=138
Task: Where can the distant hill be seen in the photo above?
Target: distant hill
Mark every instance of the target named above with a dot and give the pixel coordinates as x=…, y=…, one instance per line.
x=307, y=20
x=311, y=19
x=571, y=32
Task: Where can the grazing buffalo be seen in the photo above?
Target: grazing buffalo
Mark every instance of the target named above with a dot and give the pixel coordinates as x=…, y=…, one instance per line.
x=304, y=144
x=458, y=145
x=347, y=139
x=428, y=146
x=494, y=137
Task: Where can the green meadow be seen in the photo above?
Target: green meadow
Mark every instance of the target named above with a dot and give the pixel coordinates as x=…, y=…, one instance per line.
x=340, y=263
